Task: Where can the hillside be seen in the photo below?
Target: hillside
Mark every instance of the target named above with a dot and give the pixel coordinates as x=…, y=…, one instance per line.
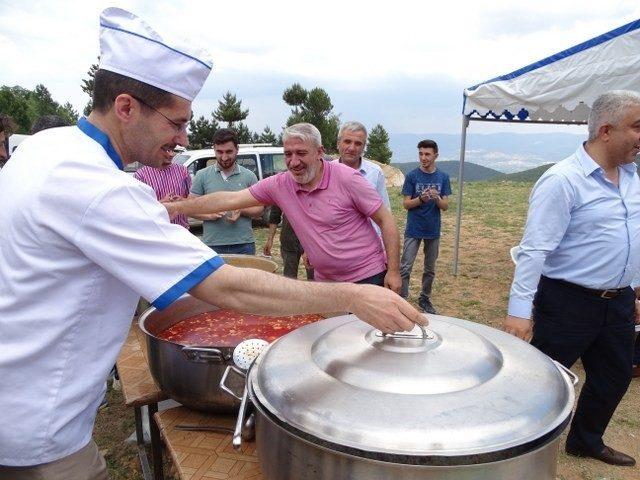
x=530, y=175
x=508, y=152
x=472, y=171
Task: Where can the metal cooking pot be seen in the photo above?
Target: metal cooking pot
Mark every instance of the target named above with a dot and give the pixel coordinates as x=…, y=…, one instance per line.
x=338, y=399
x=191, y=375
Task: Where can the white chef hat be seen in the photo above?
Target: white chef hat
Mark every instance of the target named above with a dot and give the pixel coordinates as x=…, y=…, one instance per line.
x=130, y=47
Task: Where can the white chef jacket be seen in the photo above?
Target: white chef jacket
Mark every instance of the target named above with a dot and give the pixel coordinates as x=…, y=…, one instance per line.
x=80, y=242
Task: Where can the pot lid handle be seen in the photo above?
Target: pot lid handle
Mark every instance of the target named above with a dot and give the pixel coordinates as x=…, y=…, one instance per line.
x=423, y=335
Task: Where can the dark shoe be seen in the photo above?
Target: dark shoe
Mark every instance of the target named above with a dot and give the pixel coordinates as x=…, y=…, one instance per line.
x=607, y=455
x=635, y=373
x=427, y=307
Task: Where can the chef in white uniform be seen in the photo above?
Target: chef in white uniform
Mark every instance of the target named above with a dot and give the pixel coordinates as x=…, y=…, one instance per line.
x=81, y=241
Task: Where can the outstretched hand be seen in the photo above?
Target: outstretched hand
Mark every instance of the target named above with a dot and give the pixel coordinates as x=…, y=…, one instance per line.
x=385, y=310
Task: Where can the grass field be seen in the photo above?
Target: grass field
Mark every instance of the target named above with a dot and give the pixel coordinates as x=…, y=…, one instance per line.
x=493, y=218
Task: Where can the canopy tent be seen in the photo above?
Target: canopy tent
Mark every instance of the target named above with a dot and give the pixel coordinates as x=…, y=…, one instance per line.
x=559, y=89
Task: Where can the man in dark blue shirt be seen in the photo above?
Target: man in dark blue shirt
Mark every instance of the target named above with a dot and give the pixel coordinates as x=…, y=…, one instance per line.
x=425, y=190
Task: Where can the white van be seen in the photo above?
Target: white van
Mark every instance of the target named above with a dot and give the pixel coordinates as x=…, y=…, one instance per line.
x=263, y=159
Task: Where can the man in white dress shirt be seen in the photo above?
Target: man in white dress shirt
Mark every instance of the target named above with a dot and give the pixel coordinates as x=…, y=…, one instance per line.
x=579, y=258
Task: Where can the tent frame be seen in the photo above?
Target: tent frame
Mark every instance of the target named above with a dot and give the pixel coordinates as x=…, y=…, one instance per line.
x=463, y=142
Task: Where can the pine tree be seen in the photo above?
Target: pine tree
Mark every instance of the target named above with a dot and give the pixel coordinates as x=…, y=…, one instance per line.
x=295, y=96
x=314, y=107
x=42, y=103
x=201, y=132
x=230, y=110
x=243, y=133
x=68, y=114
x=378, y=145
x=267, y=136
x=87, y=86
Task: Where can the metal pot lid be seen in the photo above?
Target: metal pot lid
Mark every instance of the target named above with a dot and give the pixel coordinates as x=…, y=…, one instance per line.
x=464, y=389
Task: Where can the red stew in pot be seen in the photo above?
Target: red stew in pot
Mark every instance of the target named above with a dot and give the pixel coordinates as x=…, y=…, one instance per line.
x=227, y=328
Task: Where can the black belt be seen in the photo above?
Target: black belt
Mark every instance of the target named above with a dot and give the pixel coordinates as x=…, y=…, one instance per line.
x=608, y=293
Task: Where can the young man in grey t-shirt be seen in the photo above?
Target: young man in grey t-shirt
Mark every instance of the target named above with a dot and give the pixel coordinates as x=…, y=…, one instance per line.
x=227, y=232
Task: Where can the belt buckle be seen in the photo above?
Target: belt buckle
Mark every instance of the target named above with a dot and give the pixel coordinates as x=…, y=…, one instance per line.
x=608, y=294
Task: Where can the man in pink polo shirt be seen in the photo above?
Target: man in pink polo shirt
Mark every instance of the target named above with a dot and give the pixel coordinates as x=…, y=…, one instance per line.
x=329, y=206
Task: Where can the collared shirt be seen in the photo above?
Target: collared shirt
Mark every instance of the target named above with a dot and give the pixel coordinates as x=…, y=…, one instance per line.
x=221, y=231
x=581, y=228
x=375, y=176
x=80, y=242
x=171, y=180
x=331, y=220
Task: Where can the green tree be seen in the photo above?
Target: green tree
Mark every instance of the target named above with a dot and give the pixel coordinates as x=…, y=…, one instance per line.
x=230, y=110
x=295, y=96
x=87, y=86
x=41, y=103
x=201, y=132
x=26, y=106
x=14, y=101
x=378, y=145
x=68, y=114
x=243, y=133
x=267, y=136
x=315, y=107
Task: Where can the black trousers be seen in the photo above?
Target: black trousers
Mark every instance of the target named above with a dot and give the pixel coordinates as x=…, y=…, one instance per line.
x=569, y=324
x=377, y=279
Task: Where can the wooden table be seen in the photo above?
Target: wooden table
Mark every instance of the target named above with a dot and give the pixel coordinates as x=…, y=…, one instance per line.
x=196, y=455
x=139, y=390
x=200, y=455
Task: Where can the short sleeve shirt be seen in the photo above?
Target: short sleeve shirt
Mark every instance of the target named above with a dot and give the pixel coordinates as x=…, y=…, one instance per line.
x=171, y=180
x=80, y=242
x=222, y=232
x=331, y=221
x=424, y=220
x=375, y=176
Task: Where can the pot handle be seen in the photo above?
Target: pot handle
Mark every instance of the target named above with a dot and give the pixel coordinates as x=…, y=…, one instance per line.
x=223, y=380
x=203, y=354
x=572, y=376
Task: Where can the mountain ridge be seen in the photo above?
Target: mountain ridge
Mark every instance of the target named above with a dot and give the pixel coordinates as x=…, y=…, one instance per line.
x=505, y=152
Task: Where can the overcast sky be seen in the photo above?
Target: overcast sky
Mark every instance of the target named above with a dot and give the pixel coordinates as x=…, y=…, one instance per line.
x=402, y=64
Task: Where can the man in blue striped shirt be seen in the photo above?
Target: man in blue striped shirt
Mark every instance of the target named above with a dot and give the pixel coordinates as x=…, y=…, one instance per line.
x=572, y=291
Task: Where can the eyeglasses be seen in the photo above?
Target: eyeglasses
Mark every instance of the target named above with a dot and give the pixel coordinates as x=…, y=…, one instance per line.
x=179, y=126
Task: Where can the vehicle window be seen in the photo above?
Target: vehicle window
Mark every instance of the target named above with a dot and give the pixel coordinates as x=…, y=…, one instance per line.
x=198, y=165
x=250, y=162
x=272, y=163
x=182, y=158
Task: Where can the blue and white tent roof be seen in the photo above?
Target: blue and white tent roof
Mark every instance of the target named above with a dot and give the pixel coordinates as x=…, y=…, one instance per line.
x=562, y=87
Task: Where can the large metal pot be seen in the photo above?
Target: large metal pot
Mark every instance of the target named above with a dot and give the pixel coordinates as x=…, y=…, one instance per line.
x=337, y=399
x=191, y=375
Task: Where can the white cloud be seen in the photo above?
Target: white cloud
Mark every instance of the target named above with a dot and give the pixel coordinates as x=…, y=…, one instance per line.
x=341, y=46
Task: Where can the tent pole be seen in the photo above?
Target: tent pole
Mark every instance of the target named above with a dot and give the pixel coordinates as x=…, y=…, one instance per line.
x=463, y=143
